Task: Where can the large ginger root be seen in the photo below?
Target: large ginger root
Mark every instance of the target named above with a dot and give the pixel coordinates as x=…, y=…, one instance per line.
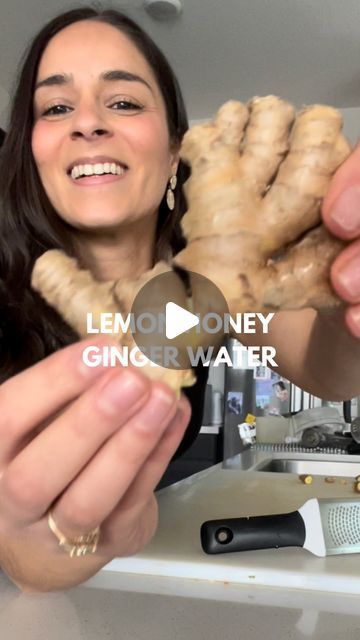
x=74, y=293
x=258, y=177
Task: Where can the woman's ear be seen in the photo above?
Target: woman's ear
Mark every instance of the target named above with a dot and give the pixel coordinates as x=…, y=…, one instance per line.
x=174, y=157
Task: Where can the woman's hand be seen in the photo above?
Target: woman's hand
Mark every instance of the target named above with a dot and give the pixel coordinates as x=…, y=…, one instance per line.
x=341, y=213
x=108, y=439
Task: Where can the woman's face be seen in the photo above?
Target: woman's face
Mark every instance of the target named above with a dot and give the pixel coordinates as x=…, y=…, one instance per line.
x=98, y=110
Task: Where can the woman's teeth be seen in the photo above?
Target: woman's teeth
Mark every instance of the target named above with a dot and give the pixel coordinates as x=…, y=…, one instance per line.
x=96, y=169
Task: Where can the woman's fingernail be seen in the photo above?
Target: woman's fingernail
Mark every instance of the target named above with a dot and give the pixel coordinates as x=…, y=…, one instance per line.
x=181, y=413
x=121, y=391
x=346, y=210
x=182, y=410
x=349, y=278
x=155, y=411
x=160, y=404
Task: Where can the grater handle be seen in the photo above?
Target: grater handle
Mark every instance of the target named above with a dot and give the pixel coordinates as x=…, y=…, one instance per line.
x=258, y=532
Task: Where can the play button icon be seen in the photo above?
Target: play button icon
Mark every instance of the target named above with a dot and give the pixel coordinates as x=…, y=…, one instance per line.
x=178, y=320
x=174, y=315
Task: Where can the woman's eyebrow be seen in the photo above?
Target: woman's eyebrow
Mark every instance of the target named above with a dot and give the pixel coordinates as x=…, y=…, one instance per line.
x=119, y=74
x=56, y=79
x=113, y=75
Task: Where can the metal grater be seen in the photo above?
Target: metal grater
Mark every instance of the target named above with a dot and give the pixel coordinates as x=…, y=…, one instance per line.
x=341, y=525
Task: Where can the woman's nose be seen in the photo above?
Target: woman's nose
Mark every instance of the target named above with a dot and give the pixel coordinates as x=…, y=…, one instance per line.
x=90, y=134
x=89, y=123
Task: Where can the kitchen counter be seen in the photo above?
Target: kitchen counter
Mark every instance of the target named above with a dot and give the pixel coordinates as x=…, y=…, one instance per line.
x=172, y=590
x=214, y=493
x=128, y=607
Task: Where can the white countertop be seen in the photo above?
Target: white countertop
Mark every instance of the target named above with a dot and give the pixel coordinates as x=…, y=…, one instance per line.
x=218, y=597
x=175, y=551
x=115, y=606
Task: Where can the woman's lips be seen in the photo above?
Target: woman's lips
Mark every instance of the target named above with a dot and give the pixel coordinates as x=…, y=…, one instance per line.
x=90, y=181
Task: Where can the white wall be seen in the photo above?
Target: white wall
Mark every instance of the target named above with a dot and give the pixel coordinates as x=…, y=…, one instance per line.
x=351, y=123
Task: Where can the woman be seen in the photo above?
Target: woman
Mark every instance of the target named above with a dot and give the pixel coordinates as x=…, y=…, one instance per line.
x=94, y=88
x=126, y=108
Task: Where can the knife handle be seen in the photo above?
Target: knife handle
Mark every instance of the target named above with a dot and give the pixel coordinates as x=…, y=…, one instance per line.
x=258, y=532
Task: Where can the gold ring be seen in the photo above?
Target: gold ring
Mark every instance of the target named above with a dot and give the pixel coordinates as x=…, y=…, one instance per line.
x=79, y=546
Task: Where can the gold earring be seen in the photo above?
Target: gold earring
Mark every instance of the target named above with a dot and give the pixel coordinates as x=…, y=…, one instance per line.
x=170, y=199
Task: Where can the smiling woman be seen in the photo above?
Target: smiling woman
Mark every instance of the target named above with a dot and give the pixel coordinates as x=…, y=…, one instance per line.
x=90, y=154
x=98, y=119
x=90, y=166
x=125, y=109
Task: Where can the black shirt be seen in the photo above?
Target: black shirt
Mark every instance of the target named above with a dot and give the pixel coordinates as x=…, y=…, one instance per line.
x=196, y=397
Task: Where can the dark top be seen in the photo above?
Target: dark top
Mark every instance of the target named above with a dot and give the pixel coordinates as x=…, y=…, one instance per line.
x=196, y=397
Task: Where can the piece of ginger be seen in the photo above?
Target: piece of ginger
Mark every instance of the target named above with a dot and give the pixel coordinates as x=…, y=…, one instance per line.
x=258, y=177
x=74, y=293
x=306, y=478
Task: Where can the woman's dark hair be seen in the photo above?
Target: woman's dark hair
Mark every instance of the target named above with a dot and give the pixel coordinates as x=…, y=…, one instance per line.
x=29, y=224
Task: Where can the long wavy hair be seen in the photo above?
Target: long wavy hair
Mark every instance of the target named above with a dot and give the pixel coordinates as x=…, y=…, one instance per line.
x=29, y=224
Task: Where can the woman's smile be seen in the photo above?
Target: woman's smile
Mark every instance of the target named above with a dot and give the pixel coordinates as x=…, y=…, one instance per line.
x=96, y=171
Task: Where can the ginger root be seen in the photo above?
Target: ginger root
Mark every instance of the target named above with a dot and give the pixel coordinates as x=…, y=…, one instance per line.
x=74, y=293
x=253, y=227
x=258, y=177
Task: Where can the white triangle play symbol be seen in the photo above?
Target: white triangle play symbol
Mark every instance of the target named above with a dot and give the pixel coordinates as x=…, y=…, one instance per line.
x=178, y=320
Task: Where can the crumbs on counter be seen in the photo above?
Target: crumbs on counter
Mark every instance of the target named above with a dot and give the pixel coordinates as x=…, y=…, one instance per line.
x=306, y=478
x=357, y=484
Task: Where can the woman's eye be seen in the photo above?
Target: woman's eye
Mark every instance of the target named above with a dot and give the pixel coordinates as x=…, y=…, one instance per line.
x=56, y=110
x=125, y=105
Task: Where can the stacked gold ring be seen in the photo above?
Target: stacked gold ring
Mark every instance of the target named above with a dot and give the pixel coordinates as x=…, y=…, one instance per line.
x=78, y=546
